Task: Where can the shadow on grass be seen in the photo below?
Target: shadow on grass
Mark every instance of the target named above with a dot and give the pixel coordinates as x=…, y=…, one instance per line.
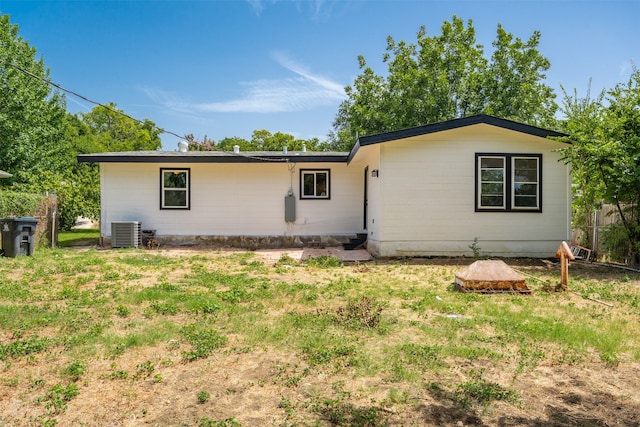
x=81, y=237
x=589, y=411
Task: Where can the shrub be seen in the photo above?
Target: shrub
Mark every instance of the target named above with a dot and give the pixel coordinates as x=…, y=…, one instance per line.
x=615, y=242
x=13, y=203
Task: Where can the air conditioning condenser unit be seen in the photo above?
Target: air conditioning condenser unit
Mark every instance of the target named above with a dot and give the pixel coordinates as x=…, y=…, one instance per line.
x=126, y=234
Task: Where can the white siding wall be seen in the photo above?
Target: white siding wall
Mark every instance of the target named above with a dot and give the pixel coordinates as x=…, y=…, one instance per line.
x=428, y=199
x=232, y=200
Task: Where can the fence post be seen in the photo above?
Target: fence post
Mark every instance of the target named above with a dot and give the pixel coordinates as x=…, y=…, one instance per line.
x=564, y=253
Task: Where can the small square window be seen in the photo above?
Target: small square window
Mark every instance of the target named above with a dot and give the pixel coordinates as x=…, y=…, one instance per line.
x=175, y=188
x=314, y=183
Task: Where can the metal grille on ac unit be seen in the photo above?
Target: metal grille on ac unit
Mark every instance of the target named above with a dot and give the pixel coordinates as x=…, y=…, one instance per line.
x=126, y=234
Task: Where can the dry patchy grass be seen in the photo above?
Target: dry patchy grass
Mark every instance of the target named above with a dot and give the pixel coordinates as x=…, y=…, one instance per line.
x=228, y=338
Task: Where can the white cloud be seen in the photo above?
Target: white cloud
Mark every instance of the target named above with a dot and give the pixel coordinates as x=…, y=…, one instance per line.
x=315, y=8
x=289, y=64
x=302, y=91
x=256, y=5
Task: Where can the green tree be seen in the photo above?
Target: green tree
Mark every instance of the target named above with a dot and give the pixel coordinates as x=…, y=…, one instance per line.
x=103, y=129
x=227, y=144
x=583, y=119
x=109, y=129
x=263, y=140
x=77, y=185
x=39, y=140
x=445, y=77
x=514, y=82
x=32, y=115
x=605, y=154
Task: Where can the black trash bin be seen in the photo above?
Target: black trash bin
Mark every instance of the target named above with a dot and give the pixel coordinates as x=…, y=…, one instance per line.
x=18, y=236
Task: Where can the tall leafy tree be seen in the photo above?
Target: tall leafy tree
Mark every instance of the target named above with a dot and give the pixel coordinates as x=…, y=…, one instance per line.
x=606, y=154
x=32, y=115
x=583, y=124
x=39, y=140
x=263, y=140
x=514, y=82
x=103, y=129
x=107, y=128
x=444, y=77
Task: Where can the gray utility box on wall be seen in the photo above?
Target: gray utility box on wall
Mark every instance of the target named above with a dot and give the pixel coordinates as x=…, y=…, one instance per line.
x=18, y=236
x=290, y=208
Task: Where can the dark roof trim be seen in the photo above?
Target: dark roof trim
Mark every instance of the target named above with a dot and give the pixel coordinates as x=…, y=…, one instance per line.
x=453, y=124
x=214, y=157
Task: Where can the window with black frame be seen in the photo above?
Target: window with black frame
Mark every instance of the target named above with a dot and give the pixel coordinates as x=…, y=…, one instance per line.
x=175, y=188
x=509, y=182
x=314, y=184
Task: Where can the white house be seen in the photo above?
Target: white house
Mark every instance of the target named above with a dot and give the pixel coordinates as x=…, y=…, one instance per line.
x=424, y=191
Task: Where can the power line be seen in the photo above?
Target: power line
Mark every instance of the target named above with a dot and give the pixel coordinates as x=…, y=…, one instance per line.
x=84, y=98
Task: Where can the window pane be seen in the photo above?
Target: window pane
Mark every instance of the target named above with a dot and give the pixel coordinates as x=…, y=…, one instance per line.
x=489, y=201
x=525, y=170
x=525, y=175
x=321, y=184
x=526, y=164
x=308, y=184
x=175, y=198
x=525, y=182
x=175, y=179
x=492, y=189
x=492, y=175
x=525, y=189
x=526, y=201
x=491, y=162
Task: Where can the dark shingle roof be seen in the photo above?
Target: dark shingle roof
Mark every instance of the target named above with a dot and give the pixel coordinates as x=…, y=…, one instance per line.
x=214, y=157
x=450, y=125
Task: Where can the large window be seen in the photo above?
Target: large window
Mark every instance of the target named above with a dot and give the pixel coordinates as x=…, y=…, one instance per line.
x=314, y=184
x=509, y=182
x=175, y=188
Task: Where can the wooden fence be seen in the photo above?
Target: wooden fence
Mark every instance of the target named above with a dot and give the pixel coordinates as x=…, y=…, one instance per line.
x=603, y=217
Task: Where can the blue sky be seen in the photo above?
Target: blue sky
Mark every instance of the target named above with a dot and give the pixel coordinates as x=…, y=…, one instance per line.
x=228, y=67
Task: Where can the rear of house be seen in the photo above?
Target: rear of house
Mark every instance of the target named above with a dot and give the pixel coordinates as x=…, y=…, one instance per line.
x=446, y=189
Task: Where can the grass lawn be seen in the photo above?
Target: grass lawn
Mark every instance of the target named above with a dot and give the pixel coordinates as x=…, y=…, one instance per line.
x=79, y=237
x=229, y=338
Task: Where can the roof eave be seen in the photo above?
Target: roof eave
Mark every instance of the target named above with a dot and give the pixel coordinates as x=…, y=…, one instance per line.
x=216, y=157
x=455, y=124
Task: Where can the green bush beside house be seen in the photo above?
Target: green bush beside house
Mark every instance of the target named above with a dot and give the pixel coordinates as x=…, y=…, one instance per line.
x=42, y=207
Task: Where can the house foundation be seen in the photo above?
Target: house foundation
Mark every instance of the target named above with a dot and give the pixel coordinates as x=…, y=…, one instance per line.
x=249, y=242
